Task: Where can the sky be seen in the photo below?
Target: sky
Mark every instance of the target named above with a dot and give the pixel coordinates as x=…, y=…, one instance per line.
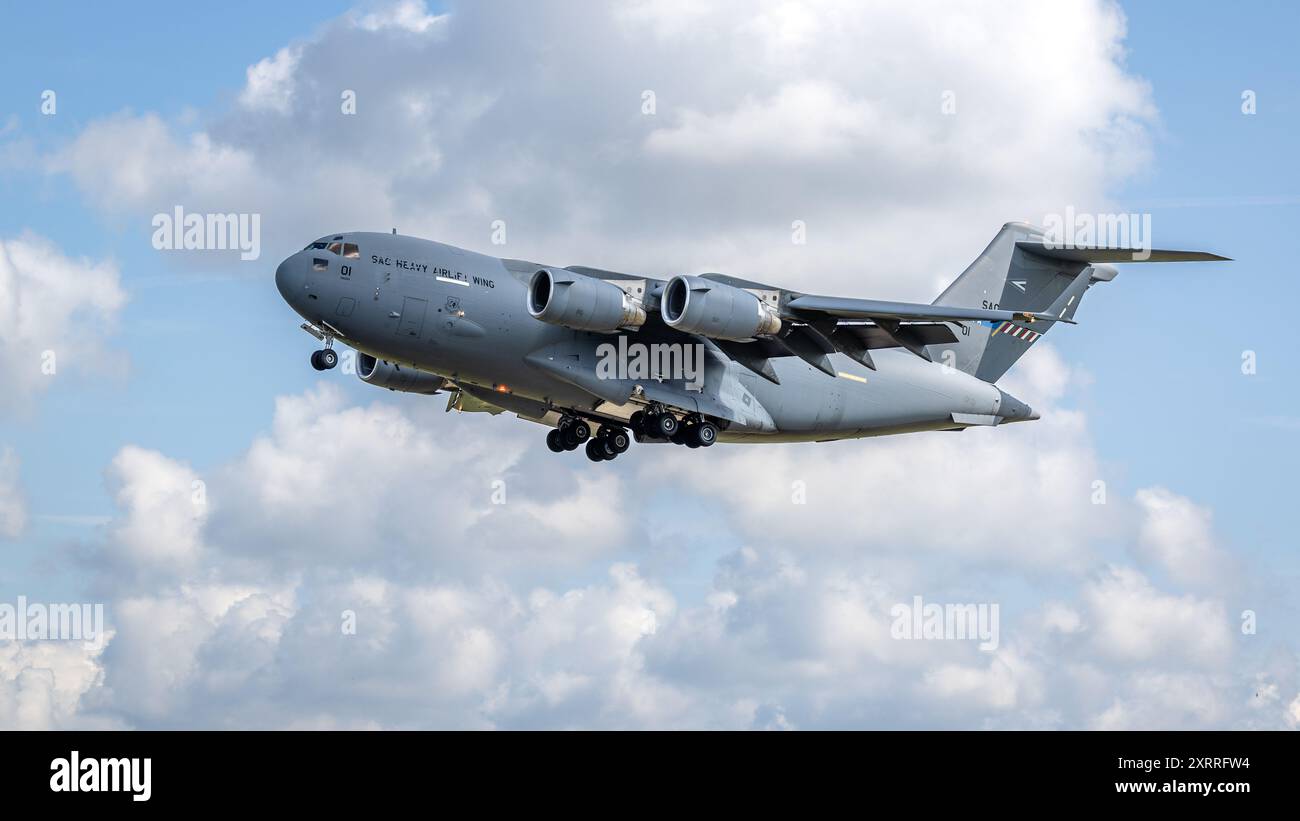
x=167, y=451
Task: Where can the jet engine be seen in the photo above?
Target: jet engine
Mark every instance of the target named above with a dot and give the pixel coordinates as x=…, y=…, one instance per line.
x=695, y=305
x=384, y=374
x=581, y=302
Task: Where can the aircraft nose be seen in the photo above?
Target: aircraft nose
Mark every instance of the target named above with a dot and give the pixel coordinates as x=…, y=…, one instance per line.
x=289, y=279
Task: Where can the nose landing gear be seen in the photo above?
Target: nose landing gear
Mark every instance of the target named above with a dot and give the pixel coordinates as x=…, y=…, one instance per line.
x=324, y=359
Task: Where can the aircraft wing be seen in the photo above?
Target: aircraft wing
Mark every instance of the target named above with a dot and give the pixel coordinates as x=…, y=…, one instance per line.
x=847, y=308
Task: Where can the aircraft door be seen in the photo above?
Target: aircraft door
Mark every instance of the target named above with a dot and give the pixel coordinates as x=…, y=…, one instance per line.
x=411, y=323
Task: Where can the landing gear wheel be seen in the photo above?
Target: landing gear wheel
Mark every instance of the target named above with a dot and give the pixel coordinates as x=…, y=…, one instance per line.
x=328, y=358
x=595, y=450
x=619, y=441
x=581, y=431
x=637, y=422
x=705, y=433
x=568, y=438
x=555, y=441
x=688, y=437
x=315, y=361
x=664, y=425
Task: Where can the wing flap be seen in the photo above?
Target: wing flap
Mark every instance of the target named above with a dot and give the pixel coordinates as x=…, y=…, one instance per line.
x=921, y=333
x=846, y=308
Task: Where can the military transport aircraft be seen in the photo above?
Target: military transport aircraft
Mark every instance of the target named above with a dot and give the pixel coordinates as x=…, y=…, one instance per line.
x=603, y=358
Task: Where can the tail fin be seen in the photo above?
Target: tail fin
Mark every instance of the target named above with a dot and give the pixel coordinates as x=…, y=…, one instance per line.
x=1019, y=271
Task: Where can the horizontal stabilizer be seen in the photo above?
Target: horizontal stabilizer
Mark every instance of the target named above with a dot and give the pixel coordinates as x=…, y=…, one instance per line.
x=1098, y=254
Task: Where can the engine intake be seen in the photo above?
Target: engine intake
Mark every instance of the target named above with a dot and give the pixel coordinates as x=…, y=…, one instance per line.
x=384, y=374
x=581, y=302
x=695, y=305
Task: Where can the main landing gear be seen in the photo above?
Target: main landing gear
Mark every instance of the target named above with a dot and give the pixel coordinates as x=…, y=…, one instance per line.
x=611, y=439
x=694, y=431
x=608, y=442
x=569, y=435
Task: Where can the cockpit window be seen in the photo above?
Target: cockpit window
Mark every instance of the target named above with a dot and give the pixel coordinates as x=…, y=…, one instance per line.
x=351, y=251
x=335, y=247
x=319, y=246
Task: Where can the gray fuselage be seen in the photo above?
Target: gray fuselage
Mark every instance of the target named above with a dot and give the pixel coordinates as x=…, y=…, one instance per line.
x=463, y=316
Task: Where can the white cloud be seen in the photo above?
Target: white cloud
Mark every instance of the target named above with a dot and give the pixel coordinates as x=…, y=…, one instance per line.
x=270, y=82
x=42, y=684
x=1177, y=534
x=1131, y=621
x=1003, y=682
x=13, y=503
x=799, y=123
x=832, y=117
x=1293, y=713
x=165, y=505
x=966, y=494
x=409, y=15
x=1157, y=700
x=427, y=499
x=56, y=314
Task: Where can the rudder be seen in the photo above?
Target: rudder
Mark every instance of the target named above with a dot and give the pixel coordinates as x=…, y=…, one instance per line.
x=1010, y=278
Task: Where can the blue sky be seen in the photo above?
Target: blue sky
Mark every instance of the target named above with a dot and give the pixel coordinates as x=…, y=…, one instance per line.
x=1156, y=359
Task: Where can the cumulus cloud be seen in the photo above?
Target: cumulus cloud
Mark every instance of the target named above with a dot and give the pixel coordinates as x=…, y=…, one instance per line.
x=1134, y=622
x=351, y=569
x=270, y=82
x=45, y=685
x=533, y=114
x=377, y=487
x=407, y=15
x=13, y=503
x=165, y=507
x=56, y=313
x=1177, y=534
x=965, y=494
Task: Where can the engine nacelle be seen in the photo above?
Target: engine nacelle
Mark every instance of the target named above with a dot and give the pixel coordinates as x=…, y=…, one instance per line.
x=695, y=305
x=581, y=302
x=384, y=374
